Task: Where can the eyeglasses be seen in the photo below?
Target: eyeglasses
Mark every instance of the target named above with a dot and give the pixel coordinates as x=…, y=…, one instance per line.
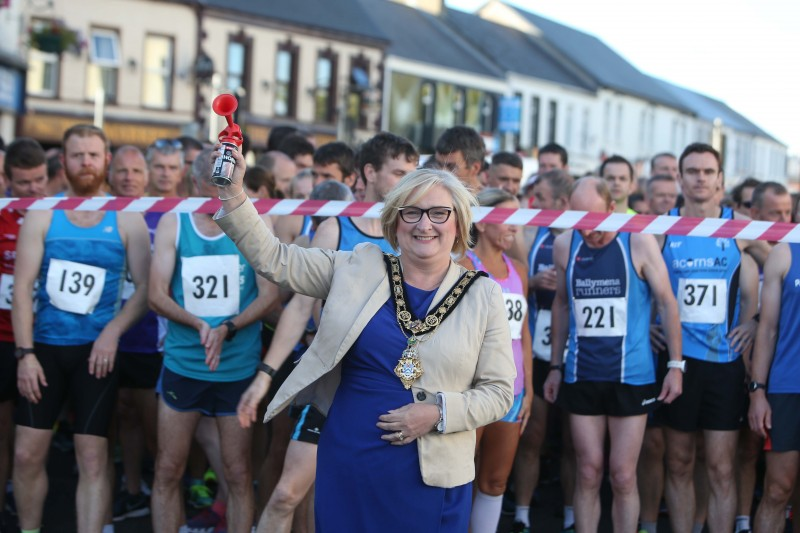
x=161, y=144
x=437, y=215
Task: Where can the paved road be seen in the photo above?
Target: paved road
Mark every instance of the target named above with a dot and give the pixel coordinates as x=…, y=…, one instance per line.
x=59, y=516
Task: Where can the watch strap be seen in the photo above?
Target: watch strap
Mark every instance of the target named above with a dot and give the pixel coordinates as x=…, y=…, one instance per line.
x=232, y=329
x=268, y=370
x=677, y=364
x=19, y=353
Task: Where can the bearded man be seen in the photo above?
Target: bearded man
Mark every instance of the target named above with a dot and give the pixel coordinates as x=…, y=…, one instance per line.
x=79, y=259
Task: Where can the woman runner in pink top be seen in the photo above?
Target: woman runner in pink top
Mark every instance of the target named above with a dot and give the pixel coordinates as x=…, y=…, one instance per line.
x=497, y=442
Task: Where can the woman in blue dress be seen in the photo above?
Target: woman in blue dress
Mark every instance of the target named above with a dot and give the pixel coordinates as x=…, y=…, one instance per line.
x=412, y=355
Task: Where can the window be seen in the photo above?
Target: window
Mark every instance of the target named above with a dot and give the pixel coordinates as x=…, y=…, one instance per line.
x=459, y=106
x=104, y=61
x=568, y=128
x=157, y=72
x=585, y=130
x=552, y=120
x=359, y=88
x=237, y=73
x=642, y=131
x=325, y=88
x=535, y=112
x=43, y=70
x=618, y=132
x=488, y=113
x=286, y=80
x=445, y=102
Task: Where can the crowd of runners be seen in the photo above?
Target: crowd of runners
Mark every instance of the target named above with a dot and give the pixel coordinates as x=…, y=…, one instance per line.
x=152, y=339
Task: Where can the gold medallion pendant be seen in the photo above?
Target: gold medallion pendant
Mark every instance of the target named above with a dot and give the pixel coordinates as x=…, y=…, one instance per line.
x=409, y=367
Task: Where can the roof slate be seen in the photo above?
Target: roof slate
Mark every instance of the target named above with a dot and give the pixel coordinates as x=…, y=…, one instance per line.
x=600, y=61
x=347, y=16
x=515, y=51
x=417, y=35
x=708, y=108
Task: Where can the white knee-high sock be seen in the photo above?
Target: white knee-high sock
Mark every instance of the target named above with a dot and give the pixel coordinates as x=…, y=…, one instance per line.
x=485, y=513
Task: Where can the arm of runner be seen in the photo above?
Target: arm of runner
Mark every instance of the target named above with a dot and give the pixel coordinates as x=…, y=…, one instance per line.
x=136, y=237
x=741, y=337
x=30, y=252
x=775, y=269
x=161, y=269
x=648, y=258
x=288, y=332
x=559, y=326
x=657, y=338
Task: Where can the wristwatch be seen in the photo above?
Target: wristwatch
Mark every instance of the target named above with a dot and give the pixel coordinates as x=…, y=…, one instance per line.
x=19, y=353
x=556, y=367
x=755, y=385
x=677, y=364
x=232, y=329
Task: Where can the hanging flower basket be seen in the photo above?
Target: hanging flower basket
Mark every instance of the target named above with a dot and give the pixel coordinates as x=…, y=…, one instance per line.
x=53, y=37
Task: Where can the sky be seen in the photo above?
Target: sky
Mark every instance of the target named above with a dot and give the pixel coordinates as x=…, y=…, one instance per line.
x=745, y=53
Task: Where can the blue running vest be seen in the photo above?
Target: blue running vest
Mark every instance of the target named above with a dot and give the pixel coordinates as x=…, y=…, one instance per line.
x=704, y=273
x=80, y=281
x=213, y=281
x=785, y=370
x=609, y=319
x=540, y=302
x=350, y=236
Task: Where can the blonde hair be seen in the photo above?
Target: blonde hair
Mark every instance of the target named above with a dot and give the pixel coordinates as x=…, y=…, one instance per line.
x=414, y=186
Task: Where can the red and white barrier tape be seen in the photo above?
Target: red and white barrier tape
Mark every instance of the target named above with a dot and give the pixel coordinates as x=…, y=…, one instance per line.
x=658, y=225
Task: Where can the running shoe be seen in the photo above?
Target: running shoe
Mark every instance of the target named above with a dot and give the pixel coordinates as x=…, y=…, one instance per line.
x=519, y=527
x=205, y=521
x=200, y=495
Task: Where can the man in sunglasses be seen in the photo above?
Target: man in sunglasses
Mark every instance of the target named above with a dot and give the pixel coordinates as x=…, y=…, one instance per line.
x=742, y=195
x=165, y=166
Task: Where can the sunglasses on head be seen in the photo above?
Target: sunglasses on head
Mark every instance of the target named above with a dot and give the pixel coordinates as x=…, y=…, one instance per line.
x=168, y=143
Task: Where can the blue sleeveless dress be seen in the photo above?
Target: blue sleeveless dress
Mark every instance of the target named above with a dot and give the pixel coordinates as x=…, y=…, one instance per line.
x=364, y=483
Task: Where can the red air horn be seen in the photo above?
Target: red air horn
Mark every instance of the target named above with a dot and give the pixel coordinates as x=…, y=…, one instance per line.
x=231, y=139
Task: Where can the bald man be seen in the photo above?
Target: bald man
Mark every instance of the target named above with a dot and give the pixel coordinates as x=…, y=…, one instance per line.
x=282, y=168
x=604, y=286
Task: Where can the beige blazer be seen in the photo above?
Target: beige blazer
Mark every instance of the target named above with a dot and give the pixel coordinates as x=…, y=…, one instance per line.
x=468, y=359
